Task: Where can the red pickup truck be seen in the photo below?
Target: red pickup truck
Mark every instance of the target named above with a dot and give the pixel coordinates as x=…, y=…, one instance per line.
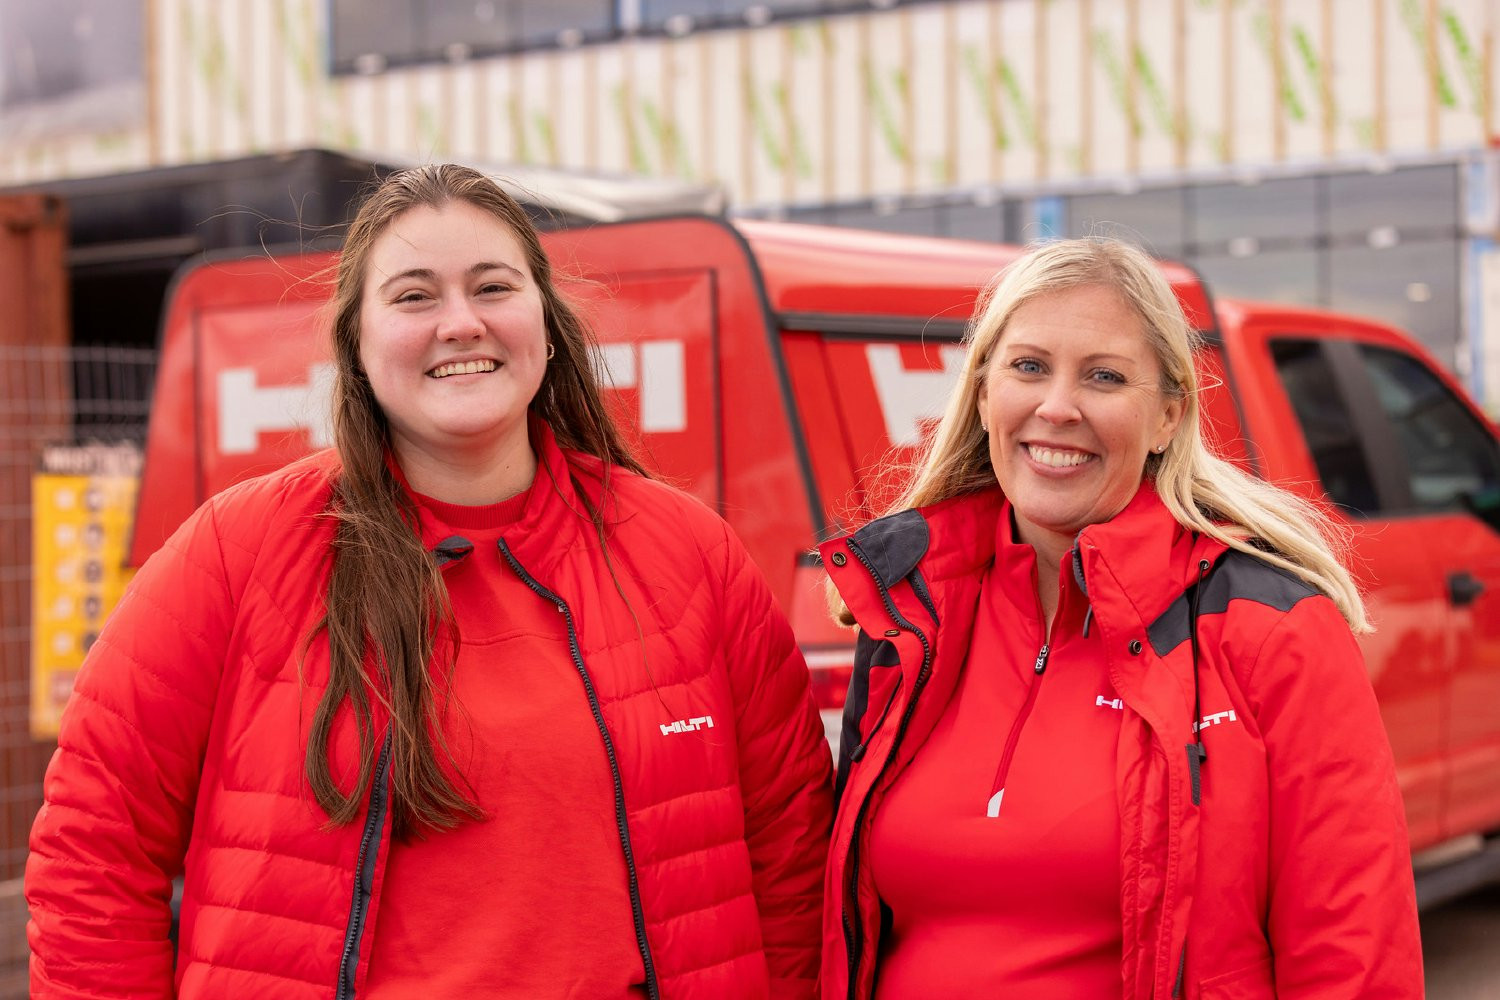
x=774, y=370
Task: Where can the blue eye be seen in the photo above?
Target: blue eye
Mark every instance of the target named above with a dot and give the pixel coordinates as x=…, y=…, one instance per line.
x=1027, y=366
x=1107, y=376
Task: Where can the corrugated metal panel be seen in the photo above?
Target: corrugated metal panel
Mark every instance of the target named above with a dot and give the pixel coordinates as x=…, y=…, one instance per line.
x=904, y=101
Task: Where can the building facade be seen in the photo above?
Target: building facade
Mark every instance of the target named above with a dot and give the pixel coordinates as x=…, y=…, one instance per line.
x=1335, y=152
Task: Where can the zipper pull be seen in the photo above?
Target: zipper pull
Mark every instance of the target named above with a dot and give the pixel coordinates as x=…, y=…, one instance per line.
x=1041, y=659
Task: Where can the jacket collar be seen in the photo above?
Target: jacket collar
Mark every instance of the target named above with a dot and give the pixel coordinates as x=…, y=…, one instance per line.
x=556, y=506
x=1139, y=561
x=1144, y=556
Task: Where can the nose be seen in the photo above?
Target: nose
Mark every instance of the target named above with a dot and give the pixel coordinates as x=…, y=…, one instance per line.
x=1059, y=403
x=459, y=321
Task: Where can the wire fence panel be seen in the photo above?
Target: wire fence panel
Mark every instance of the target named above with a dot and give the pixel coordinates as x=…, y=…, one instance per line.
x=49, y=396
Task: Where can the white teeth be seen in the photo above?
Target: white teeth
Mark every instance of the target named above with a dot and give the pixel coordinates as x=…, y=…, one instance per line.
x=1058, y=459
x=462, y=368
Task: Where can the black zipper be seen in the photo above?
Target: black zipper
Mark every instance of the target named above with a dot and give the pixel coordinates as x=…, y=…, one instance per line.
x=852, y=929
x=364, y=872
x=653, y=989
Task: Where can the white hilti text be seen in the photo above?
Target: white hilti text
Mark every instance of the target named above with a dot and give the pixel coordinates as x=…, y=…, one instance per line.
x=246, y=409
x=1218, y=718
x=687, y=725
x=909, y=398
x=658, y=368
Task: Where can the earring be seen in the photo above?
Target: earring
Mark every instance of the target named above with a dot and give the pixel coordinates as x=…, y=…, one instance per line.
x=1160, y=448
x=552, y=351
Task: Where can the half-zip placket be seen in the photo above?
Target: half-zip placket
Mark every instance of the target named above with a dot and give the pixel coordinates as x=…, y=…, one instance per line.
x=364, y=871
x=853, y=929
x=1038, y=669
x=997, y=790
x=637, y=909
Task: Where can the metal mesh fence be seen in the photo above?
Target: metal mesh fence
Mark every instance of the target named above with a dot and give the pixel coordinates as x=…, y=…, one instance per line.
x=48, y=396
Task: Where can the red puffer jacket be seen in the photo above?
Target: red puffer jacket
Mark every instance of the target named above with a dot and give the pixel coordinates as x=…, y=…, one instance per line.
x=182, y=751
x=1275, y=867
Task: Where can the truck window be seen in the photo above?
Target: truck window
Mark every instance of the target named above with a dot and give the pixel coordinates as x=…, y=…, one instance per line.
x=1449, y=454
x=1327, y=425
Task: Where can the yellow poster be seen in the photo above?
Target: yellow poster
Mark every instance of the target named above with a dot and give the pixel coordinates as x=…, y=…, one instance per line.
x=83, y=504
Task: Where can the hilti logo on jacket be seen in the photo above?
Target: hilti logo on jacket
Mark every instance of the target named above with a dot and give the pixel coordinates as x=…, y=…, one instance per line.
x=687, y=725
x=1218, y=718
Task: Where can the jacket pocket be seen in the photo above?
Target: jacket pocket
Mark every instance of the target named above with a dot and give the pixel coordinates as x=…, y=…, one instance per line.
x=1250, y=982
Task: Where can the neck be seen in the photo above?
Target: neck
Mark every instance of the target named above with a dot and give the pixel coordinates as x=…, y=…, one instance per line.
x=469, y=478
x=1050, y=550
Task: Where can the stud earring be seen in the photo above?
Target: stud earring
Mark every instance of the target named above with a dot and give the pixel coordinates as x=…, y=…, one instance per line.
x=1160, y=448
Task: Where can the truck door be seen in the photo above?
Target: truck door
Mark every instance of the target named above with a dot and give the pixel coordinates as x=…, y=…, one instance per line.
x=1399, y=450
x=1449, y=459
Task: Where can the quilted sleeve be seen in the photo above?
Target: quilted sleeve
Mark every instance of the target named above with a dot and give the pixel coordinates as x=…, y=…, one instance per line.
x=120, y=790
x=785, y=775
x=1343, y=915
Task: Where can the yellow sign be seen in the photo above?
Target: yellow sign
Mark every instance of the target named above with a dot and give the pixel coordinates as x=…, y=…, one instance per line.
x=83, y=505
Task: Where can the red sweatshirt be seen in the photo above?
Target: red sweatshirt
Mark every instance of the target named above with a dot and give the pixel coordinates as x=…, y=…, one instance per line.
x=528, y=750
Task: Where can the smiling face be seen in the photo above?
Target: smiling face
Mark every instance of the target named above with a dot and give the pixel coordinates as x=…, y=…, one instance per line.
x=452, y=335
x=1073, y=400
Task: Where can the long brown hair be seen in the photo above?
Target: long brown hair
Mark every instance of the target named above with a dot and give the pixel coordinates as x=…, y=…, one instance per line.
x=387, y=606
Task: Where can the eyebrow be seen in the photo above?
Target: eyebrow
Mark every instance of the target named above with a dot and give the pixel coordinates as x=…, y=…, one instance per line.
x=428, y=274
x=1034, y=349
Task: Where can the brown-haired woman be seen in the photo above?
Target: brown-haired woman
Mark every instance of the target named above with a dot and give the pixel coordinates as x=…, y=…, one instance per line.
x=405, y=714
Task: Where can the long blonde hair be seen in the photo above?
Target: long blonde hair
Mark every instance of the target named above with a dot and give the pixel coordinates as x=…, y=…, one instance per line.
x=1205, y=493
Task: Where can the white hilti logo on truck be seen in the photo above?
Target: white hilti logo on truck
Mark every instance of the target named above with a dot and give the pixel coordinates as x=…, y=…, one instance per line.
x=687, y=725
x=247, y=408
x=658, y=369
x=909, y=398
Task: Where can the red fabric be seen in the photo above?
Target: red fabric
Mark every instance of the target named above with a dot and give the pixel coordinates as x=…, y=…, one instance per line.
x=527, y=747
x=183, y=745
x=1043, y=873
x=1292, y=879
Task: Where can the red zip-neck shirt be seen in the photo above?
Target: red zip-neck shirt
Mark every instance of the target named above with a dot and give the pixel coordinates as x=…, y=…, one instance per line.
x=997, y=850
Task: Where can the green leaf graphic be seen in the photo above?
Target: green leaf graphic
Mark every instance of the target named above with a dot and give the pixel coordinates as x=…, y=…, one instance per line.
x=1114, y=72
x=1011, y=83
x=1416, y=25
x=984, y=89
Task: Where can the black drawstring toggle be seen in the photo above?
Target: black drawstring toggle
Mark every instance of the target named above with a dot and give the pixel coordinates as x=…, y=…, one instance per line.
x=451, y=550
x=1196, y=756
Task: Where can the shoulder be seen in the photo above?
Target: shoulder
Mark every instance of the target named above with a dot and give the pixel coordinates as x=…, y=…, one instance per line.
x=636, y=504
x=267, y=505
x=1272, y=621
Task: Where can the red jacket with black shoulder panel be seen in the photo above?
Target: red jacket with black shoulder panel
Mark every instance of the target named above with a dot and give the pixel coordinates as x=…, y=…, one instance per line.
x=1280, y=869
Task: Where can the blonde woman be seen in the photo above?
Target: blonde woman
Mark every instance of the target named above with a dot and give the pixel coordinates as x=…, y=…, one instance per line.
x=1109, y=732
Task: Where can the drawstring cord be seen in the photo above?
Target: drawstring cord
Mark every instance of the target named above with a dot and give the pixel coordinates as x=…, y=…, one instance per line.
x=1195, y=751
